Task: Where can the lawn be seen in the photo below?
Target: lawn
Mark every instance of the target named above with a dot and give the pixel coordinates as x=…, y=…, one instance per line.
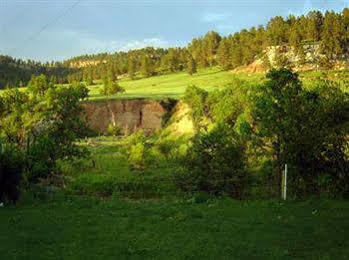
x=90, y=228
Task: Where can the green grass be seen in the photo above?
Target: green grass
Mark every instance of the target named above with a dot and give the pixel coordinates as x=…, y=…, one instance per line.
x=107, y=172
x=173, y=85
x=89, y=228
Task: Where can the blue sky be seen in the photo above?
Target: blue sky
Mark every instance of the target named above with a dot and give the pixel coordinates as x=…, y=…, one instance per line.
x=59, y=29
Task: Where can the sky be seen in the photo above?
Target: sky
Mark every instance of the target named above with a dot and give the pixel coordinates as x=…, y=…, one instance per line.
x=46, y=30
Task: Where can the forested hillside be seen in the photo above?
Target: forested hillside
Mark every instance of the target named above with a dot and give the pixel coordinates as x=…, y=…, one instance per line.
x=17, y=73
x=328, y=31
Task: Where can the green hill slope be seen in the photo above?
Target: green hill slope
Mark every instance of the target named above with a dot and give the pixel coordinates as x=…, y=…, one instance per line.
x=173, y=85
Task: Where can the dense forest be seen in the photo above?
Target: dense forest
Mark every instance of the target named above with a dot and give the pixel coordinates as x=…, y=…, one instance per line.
x=329, y=31
x=17, y=73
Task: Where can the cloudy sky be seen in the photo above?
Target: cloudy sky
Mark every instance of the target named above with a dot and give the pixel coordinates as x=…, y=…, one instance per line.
x=58, y=29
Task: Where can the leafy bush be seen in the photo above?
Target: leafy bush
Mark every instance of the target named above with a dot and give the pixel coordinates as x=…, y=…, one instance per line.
x=195, y=97
x=44, y=123
x=215, y=164
x=114, y=130
x=111, y=88
x=312, y=139
x=137, y=149
x=11, y=168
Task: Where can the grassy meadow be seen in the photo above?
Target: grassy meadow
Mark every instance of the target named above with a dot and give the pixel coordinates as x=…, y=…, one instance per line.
x=64, y=227
x=105, y=207
x=173, y=85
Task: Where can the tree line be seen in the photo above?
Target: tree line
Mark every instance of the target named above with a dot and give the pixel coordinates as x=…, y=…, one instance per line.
x=17, y=72
x=329, y=31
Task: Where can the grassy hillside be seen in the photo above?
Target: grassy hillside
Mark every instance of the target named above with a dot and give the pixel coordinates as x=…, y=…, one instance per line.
x=174, y=85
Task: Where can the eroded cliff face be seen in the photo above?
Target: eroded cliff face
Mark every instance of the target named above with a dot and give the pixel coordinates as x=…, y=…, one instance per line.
x=129, y=115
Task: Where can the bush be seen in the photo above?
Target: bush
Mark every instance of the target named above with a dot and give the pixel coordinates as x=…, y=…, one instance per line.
x=111, y=88
x=215, y=164
x=195, y=97
x=113, y=130
x=137, y=150
x=11, y=168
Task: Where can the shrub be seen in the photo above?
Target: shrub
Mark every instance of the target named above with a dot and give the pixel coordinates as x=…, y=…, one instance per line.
x=215, y=164
x=11, y=168
x=111, y=88
x=137, y=149
x=195, y=97
x=114, y=130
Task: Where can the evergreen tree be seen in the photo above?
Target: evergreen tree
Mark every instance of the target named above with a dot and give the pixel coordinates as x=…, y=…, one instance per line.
x=331, y=35
x=191, y=66
x=224, y=54
x=277, y=30
x=131, y=68
x=314, y=25
x=211, y=44
x=146, y=67
x=296, y=37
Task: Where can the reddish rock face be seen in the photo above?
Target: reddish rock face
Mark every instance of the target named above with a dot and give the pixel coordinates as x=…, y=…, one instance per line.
x=129, y=115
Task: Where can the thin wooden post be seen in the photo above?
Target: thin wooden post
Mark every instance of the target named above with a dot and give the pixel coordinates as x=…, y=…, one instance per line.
x=284, y=183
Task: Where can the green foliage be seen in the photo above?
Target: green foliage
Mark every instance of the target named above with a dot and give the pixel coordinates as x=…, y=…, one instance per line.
x=137, y=150
x=11, y=169
x=38, y=85
x=111, y=88
x=44, y=123
x=147, y=69
x=195, y=98
x=131, y=70
x=224, y=54
x=191, y=66
x=215, y=164
x=114, y=130
x=307, y=138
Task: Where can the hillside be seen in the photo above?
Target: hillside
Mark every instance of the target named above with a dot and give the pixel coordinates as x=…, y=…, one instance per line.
x=173, y=85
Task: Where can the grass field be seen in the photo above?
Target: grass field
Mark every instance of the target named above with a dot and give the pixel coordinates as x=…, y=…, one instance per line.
x=112, y=174
x=174, y=85
x=90, y=228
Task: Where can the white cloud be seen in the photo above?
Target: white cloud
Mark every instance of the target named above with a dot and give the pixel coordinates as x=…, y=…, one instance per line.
x=136, y=44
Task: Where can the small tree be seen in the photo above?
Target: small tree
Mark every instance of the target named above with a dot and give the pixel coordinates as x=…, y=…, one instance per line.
x=111, y=88
x=44, y=123
x=306, y=129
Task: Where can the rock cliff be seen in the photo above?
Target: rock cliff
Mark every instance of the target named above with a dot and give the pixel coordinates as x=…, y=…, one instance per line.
x=128, y=115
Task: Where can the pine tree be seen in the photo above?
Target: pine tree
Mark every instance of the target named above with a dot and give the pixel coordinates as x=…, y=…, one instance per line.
x=131, y=68
x=191, y=66
x=111, y=74
x=236, y=55
x=224, y=54
x=210, y=44
x=331, y=44
x=296, y=37
x=146, y=67
x=314, y=25
x=277, y=31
